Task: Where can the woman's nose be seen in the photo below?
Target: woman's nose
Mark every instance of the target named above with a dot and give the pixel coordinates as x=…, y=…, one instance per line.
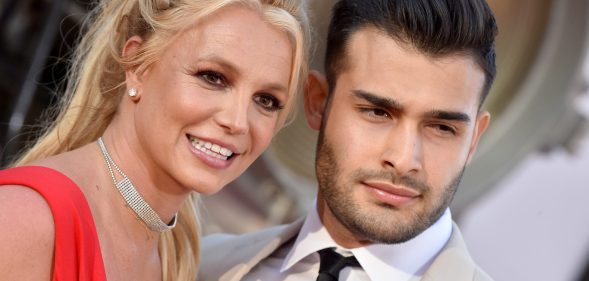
x=233, y=116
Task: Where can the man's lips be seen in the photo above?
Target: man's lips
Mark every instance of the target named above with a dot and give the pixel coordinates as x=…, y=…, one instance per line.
x=391, y=194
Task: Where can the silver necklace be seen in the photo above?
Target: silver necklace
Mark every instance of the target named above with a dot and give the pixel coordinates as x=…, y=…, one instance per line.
x=132, y=196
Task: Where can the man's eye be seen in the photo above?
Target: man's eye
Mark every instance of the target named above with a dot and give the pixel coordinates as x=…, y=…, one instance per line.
x=212, y=78
x=268, y=102
x=380, y=113
x=376, y=112
x=445, y=129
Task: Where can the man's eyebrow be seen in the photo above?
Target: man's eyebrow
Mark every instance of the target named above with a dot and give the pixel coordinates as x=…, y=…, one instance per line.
x=393, y=105
x=448, y=115
x=386, y=103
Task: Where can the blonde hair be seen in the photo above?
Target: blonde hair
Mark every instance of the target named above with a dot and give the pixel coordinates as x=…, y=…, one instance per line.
x=96, y=83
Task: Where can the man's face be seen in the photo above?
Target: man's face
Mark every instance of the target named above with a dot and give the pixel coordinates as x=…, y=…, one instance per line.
x=399, y=130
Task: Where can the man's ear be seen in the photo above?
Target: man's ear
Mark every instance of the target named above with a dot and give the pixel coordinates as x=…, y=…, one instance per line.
x=316, y=91
x=482, y=123
x=129, y=50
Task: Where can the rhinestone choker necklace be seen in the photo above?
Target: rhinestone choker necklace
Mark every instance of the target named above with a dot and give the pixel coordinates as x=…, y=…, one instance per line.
x=132, y=196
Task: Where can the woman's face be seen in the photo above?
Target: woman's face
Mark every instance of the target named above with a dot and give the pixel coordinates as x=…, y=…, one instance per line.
x=212, y=102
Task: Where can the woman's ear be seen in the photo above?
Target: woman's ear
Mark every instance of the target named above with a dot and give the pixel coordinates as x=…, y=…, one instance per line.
x=130, y=48
x=316, y=90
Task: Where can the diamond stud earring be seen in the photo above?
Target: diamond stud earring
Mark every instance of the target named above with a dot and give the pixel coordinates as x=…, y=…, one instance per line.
x=132, y=92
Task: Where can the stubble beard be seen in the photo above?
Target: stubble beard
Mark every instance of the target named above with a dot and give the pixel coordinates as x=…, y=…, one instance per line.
x=380, y=223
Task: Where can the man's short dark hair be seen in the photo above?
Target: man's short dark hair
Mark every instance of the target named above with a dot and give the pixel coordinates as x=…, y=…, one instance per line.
x=433, y=27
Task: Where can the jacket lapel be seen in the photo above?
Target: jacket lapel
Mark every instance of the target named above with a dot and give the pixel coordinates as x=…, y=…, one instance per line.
x=243, y=252
x=453, y=262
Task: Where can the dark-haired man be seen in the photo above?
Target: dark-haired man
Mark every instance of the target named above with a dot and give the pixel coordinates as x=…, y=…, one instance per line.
x=399, y=117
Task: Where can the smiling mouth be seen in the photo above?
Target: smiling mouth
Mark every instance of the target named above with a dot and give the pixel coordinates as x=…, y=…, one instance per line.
x=211, y=149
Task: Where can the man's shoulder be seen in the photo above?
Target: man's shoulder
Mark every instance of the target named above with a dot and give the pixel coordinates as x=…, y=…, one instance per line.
x=216, y=241
x=481, y=275
x=229, y=257
x=455, y=262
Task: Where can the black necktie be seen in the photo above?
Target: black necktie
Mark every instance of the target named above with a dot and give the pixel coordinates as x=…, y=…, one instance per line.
x=331, y=263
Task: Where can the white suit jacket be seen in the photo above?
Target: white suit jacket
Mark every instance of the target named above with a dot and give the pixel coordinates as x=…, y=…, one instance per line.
x=228, y=257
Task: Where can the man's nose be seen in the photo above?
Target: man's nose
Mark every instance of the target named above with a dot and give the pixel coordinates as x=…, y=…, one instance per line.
x=403, y=150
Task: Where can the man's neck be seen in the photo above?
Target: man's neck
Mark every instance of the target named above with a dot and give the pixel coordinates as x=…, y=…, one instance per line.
x=340, y=233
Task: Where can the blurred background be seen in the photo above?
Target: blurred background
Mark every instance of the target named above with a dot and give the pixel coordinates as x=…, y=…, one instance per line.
x=523, y=204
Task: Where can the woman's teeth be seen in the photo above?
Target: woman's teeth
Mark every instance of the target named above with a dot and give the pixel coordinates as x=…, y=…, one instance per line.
x=211, y=149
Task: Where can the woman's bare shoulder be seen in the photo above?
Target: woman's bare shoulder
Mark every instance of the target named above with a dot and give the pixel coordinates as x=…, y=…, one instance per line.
x=27, y=234
x=78, y=165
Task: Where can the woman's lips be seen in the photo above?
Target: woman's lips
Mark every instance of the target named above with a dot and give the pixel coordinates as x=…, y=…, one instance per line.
x=211, y=154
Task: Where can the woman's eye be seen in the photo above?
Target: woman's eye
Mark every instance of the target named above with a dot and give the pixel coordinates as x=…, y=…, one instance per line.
x=213, y=78
x=268, y=102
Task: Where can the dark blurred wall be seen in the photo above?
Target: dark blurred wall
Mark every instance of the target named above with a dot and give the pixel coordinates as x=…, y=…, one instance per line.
x=36, y=38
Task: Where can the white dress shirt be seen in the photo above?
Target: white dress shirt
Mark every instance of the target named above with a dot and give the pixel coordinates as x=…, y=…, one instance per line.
x=298, y=259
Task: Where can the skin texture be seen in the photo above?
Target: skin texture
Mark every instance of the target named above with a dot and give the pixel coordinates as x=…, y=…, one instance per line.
x=33, y=231
x=395, y=138
x=222, y=80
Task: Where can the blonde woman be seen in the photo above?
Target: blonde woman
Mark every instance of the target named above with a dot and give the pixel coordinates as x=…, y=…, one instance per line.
x=166, y=99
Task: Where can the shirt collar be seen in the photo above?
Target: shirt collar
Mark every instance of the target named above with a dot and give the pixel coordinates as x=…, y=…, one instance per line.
x=380, y=261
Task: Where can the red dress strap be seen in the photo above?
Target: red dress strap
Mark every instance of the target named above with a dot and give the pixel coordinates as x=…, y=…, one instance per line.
x=77, y=250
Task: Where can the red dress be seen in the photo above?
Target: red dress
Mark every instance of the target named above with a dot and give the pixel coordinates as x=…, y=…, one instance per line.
x=77, y=251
